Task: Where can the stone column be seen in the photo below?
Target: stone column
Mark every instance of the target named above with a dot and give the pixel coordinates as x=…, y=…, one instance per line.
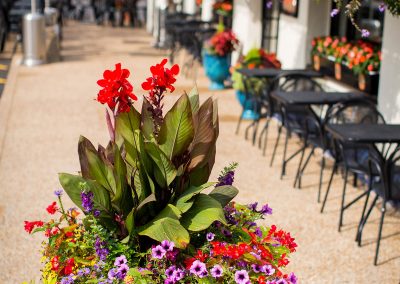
x=207, y=10
x=389, y=82
x=189, y=6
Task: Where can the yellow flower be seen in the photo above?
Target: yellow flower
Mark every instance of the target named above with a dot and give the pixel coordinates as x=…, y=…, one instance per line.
x=128, y=279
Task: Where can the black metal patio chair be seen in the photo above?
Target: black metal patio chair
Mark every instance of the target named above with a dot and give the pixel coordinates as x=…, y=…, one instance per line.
x=293, y=118
x=349, y=156
x=386, y=186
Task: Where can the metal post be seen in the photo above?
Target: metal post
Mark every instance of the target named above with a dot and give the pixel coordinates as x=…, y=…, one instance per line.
x=34, y=37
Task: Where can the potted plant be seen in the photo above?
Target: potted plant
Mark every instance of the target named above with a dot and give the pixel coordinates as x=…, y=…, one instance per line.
x=255, y=58
x=146, y=216
x=216, y=57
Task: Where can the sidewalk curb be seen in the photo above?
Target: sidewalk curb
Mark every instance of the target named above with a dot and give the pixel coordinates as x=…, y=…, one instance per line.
x=7, y=99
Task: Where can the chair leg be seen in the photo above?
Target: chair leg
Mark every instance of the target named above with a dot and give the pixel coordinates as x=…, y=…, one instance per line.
x=239, y=122
x=354, y=180
x=362, y=214
x=328, y=188
x=257, y=122
x=283, y=172
x=300, y=163
x=383, y=211
x=321, y=175
x=276, y=145
x=364, y=221
x=266, y=137
x=346, y=174
x=304, y=166
x=246, y=133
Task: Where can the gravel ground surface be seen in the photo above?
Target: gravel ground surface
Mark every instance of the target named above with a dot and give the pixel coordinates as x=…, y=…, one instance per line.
x=44, y=110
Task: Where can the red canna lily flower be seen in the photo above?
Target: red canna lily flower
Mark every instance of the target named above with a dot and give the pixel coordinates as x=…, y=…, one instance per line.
x=162, y=79
x=116, y=89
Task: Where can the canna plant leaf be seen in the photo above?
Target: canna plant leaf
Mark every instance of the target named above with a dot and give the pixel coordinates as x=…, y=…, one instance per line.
x=177, y=131
x=205, y=211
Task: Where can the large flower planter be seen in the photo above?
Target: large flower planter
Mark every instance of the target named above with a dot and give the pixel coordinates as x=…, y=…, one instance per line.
x=217, y=69
x=367, y=82
x=248, y=106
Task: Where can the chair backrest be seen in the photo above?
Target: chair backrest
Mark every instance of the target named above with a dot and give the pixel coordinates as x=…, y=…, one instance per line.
x=290, y=82
x=392, y=170
x=357, y=111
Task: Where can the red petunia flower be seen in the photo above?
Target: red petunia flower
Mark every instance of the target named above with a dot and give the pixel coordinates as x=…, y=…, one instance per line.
x=52, y=208
x=162, y=79
x=116, y=89
x=29, y=226
x=69, y=267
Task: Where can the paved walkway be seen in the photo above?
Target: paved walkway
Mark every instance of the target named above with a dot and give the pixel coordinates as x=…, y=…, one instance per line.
x=44, y=110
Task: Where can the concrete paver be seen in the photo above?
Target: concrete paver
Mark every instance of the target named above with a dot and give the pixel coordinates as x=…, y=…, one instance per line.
x=44, y=110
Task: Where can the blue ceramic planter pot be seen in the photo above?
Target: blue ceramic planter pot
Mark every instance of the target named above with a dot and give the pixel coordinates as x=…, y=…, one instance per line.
x=217, y=69
x=248, y=107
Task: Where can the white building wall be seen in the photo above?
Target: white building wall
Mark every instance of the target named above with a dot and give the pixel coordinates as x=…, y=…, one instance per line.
x=295, y=34
x=247, y=24
x=389, y=82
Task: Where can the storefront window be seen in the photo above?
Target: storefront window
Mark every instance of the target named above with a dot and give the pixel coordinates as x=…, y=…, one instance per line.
x=368, y=17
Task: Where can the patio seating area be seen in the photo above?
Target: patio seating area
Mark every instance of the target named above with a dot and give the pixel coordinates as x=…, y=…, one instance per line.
x=299, y=154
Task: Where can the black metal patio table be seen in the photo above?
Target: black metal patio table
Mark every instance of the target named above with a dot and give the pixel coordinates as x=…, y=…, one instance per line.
x=367, y=134
x=309, y=98
x=272, y=72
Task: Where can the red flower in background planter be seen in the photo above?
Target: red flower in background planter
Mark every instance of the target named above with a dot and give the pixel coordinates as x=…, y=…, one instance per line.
x=116, y=89
x=223, y=43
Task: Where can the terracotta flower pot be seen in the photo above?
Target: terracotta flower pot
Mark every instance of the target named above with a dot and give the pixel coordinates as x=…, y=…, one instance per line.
x=317, y=62
x=362, y=82
x=338, y=71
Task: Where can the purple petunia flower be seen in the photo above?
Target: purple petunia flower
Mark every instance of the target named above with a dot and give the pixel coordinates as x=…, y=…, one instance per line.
x=292, y=278
x=179, y=274
x=167, y=245
x=170, y=271
x=241, y=277
x=122, y=271
x=112, y=274
x=120, y=260
x=382, y=7
x=268, y=269
x=258, y=232
x=87, y=201
x=266, y=210
x=67, y=280
x=83, y=272
x=198, y=268
x=334, y=12
x=58, y=193
x=256, y=268
x=226, y=179
x=96, y=213
x=210, y=236
x=226, y=233
x=253, y=206
x=101, y=249
x=169, y=281
x=217, y=271
x=158, y=252
x=281, y=281
x=365, y=33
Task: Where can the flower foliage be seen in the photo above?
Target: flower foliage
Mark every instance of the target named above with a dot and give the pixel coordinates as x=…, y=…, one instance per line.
x=361, y=57
x=255, y=58
x=146, y=218
x=116, y=89
x=222, y=43
x=223, y=7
